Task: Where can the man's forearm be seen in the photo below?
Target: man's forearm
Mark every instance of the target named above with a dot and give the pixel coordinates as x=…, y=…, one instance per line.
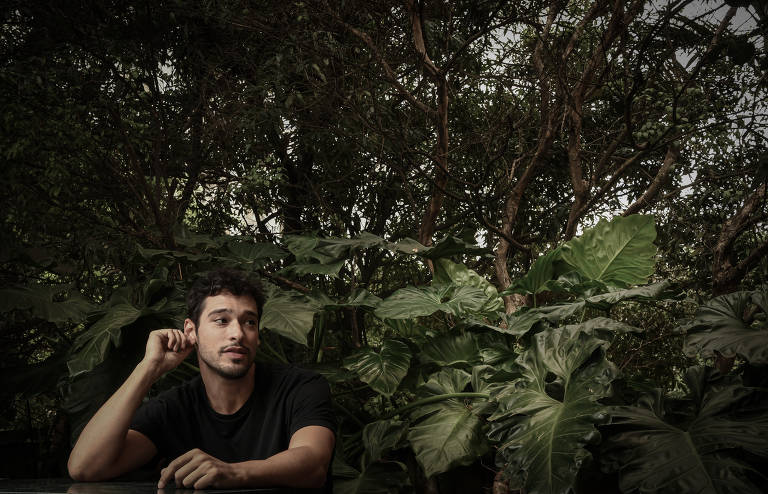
x=295, y=467
x=303, y=464
x=103, y=438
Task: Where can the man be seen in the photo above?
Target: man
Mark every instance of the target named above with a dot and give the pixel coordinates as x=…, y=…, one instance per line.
x=238, y=424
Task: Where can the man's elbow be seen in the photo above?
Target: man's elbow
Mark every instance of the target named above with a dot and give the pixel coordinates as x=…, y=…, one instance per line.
x=316, y=478
x=80, y=472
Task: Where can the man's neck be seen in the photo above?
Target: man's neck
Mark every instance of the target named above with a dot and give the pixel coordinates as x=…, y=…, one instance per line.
x=227, y=396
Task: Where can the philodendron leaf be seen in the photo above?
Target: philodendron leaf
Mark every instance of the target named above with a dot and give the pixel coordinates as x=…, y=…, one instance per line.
x=410, y=302
x=448, y=272
x=542, y=424
x=539, y=278
x=719, y=325
x=288, y=315
x=715, y=450
x=382, y=370
x=521, y=322
x=327, y=250
x=380, y=437
x=470, y=300
x=451, y=246
x=451, y=349
x=618, y=252
x=329, y=268
x=92, y=346
x=447, y=433
x=39, y=299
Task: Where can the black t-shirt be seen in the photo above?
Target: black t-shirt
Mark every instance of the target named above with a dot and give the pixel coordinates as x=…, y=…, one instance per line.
x=284, y=400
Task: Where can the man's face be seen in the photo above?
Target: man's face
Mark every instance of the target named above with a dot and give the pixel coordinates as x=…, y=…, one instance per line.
x=227, y=335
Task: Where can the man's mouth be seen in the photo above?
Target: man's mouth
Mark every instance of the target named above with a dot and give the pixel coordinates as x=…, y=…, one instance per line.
x=235, y=350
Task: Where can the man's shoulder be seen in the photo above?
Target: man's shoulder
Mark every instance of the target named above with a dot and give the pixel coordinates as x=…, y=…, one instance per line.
x=187, y=391
x=279, y=371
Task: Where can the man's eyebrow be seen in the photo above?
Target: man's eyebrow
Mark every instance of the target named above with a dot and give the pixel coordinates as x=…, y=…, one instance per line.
x=219, y=311
x=249, y=313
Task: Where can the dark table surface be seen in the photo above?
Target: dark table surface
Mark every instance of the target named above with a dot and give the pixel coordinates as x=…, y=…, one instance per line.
x=67, y=486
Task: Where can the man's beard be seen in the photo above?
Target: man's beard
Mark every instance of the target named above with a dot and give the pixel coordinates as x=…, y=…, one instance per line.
x=235, y=372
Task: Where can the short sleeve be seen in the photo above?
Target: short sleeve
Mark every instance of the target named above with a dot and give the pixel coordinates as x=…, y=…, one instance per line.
x=311, y=404
x=149, y=420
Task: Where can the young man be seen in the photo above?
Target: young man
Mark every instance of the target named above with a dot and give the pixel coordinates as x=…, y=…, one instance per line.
x=238, y=424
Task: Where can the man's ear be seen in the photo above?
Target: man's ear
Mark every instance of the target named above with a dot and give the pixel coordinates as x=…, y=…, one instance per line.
x=189, y=331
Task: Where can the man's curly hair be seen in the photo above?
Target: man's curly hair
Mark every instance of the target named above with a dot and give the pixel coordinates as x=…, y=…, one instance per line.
x=221, y=280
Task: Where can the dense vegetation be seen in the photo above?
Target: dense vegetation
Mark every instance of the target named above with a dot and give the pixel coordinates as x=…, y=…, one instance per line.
x=524, y=241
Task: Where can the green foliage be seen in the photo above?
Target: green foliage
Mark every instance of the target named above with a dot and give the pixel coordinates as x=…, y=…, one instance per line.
x=288, y=315
x=39, y=300
x=723, y=326
x=618, y=252
x=382, y=370
x=543, y=423
x=144, y=143
x=450, y=432
x=694, y=444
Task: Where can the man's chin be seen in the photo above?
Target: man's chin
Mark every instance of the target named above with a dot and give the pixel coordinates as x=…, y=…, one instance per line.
x=233, y=372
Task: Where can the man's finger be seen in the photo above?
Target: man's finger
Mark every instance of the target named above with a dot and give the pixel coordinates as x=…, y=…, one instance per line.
x=196, y=475
x=184, y=471
x=206, y=480
x=168, y=472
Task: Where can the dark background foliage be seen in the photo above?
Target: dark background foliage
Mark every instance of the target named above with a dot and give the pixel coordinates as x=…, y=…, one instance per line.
x=143, y=142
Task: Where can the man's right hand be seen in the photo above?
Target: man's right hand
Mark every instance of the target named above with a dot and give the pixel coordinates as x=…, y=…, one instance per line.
x=166, y=349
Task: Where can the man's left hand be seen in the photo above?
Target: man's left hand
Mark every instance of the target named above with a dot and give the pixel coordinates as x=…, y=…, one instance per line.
x=198, y=469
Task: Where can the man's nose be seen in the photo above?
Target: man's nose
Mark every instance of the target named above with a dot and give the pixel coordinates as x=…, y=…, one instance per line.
x=235, y=331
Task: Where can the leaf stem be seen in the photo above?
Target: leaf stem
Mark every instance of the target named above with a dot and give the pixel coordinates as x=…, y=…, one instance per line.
x=433, y=399
x=348, y=413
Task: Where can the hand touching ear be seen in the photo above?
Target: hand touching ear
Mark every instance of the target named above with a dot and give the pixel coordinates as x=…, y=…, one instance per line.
x=166, y=349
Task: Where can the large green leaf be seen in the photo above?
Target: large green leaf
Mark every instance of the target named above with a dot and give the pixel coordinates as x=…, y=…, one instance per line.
x=382, y=370
x=539, y=276
x=288, y=315
x=446, y=433
x=521, y=322
x=92, y=346
x=380, y=437
x=719, y=326
x=451, y=349
x=153, y=254
x=326, y=250
x=447, y=247
x=451, y=246
x=39, y=299
x=448, y=272
x=327, y=268
x=545, y=418
x=703, y=452
x=469, y=300
x=618, y=252
x=412, y=302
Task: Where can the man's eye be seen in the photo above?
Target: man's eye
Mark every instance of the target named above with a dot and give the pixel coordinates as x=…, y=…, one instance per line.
x=220, y=320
